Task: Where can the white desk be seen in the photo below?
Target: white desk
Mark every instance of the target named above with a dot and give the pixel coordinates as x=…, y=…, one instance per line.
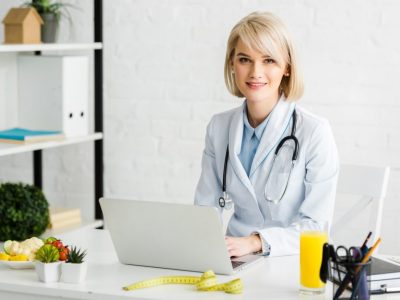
x=273, y=278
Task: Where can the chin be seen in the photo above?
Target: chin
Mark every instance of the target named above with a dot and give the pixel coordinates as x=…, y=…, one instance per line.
x=259, y=97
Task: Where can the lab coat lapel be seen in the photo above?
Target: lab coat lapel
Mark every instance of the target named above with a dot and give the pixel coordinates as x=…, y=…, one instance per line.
x=277, y=124
x=235, y=145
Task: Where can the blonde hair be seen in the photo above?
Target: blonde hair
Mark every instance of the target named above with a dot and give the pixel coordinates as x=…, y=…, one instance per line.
x=265, y=33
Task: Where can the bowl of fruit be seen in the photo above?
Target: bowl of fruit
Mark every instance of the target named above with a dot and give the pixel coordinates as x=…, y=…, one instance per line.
x=20, y=255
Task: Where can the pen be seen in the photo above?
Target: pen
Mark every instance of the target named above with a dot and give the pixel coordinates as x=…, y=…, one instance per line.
x=347, y=278
x=366, y=240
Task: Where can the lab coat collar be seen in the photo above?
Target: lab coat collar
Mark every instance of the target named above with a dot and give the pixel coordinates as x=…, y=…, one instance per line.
x=235, y=145
x=278, y=121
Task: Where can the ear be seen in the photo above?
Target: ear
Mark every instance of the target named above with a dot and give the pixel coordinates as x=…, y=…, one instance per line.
x=287, y=71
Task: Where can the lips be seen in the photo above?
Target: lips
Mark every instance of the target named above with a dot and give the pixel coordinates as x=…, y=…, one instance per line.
x=256, y=85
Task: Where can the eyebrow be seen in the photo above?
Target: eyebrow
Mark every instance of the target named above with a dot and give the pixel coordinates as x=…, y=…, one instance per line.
x=244, y=54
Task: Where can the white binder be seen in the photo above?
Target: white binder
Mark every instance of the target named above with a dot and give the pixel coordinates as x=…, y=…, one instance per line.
x=53, y=93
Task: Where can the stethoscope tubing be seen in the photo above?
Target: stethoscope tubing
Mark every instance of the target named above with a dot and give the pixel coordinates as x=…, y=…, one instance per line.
x=224, y=200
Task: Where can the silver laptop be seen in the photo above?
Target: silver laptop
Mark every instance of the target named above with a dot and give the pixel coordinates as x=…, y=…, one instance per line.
x=173, y=236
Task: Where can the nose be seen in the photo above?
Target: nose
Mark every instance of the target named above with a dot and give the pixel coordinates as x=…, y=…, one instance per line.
x=256, y=70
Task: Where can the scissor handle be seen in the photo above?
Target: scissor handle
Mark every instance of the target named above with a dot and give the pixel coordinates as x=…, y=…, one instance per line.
x=355, y=253
x=342, y=254
x=352, y=254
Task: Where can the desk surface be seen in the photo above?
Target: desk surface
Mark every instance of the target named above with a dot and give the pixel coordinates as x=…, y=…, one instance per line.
x=272, y=278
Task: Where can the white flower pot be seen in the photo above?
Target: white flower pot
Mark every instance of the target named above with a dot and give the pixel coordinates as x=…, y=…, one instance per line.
x=48, y=272
x=73, y=273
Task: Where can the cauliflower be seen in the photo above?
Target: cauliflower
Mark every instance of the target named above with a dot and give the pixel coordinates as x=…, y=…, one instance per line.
x=27, y=247
x=14, y=248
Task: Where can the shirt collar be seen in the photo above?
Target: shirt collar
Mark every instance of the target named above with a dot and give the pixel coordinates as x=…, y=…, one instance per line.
x=258, y=131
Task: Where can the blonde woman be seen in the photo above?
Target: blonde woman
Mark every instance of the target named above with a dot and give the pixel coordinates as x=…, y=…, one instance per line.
x=272, y=160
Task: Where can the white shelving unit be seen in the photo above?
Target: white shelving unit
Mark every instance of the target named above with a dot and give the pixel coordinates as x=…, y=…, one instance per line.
x=10, y=149
x=49, y=47
x=83, y=225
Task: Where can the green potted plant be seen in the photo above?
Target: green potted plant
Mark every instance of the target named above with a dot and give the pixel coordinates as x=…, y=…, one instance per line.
x=48, y=266
x=75, y=268
x=50, y=13
x=24, y=211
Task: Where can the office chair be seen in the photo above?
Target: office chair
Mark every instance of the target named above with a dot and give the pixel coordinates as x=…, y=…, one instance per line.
x=359, y=203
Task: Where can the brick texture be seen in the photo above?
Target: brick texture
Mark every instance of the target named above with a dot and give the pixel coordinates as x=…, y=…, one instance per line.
x=164, y=80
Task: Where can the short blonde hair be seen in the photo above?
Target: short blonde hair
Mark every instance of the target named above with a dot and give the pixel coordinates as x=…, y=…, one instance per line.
x=265, y=33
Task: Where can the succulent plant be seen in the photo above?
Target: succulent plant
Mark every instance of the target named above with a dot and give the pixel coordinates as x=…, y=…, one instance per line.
x=47, y=254
x=76, y=255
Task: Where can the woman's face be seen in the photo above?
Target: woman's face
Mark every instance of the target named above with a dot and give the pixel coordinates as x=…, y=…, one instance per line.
x=257, y=75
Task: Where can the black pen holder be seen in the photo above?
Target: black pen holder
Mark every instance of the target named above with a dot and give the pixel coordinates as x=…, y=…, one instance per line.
x=350, y=280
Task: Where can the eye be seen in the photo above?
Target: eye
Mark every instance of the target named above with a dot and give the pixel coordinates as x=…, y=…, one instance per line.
x=244, y=60
x=269, y=61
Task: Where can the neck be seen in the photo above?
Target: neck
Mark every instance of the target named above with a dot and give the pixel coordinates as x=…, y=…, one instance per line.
x=258, y=111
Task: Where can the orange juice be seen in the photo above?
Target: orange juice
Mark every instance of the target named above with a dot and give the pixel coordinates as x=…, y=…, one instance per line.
x=311, y=243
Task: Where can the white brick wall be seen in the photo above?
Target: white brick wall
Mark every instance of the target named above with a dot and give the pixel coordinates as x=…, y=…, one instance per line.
x=164, y=80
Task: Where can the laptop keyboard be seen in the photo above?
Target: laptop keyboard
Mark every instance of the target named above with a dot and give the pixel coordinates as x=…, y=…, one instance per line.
x=236, y=264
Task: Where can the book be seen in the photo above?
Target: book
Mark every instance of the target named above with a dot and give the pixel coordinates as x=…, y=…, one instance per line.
x=22, y=135
x=383, y=272
x=62, y=213
x=61, y=217
x=65, y=223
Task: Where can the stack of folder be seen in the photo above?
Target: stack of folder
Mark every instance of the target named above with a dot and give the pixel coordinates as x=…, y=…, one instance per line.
x=25, y=136
x=64, y=217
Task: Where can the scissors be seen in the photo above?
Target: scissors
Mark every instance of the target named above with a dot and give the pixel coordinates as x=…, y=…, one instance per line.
x=350, y=255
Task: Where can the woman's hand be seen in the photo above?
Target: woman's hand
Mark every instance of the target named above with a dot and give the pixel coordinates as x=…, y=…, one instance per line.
x=238, y=246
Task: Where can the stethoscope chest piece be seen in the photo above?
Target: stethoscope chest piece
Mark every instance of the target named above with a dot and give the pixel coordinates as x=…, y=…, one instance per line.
x=283, y=170
x=225, y=201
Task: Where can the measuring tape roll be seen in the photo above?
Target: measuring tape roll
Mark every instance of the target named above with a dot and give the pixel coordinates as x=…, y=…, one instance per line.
x=206, y=282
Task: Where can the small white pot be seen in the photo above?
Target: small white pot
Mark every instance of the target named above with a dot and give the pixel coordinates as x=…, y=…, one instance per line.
x=48, y=272
x=73, y=273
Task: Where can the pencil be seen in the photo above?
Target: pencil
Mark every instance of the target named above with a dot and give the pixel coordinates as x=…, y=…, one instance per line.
x=369, y=253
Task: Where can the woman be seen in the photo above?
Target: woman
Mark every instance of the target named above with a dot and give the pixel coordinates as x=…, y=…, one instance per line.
x=272, y=194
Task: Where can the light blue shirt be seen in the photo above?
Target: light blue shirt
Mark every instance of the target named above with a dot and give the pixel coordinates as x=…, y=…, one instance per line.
x=250, y=141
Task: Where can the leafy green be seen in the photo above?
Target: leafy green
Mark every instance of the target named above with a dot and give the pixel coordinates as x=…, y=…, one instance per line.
x=47, y=254
x=45, y=6
x=24, y=211
x=50, y=240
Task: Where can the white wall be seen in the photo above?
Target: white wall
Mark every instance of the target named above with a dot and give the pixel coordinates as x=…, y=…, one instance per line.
x=164, y=80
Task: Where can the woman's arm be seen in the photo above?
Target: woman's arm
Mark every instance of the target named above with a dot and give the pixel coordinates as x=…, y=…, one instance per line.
x=209, y=187
x=322, y=167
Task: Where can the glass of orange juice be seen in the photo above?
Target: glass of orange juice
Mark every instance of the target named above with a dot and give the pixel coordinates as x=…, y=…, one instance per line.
x=311, y=245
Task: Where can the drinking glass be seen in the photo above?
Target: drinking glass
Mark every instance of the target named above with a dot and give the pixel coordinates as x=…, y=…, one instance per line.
x=311, y=247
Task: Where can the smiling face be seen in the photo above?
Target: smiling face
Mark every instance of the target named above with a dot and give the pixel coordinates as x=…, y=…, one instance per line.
x=257, y=75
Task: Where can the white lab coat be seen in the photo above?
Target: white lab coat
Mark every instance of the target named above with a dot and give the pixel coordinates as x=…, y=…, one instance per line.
x=310, y=195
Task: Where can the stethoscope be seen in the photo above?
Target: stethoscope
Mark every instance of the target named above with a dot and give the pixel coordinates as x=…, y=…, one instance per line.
x=226, y=202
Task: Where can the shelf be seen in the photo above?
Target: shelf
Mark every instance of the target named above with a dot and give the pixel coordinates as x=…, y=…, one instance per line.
x=49, y=47
x=84, y=225
x=8, y=149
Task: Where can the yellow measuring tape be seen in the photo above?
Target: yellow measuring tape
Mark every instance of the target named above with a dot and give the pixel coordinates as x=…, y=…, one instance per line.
x=206, y=282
